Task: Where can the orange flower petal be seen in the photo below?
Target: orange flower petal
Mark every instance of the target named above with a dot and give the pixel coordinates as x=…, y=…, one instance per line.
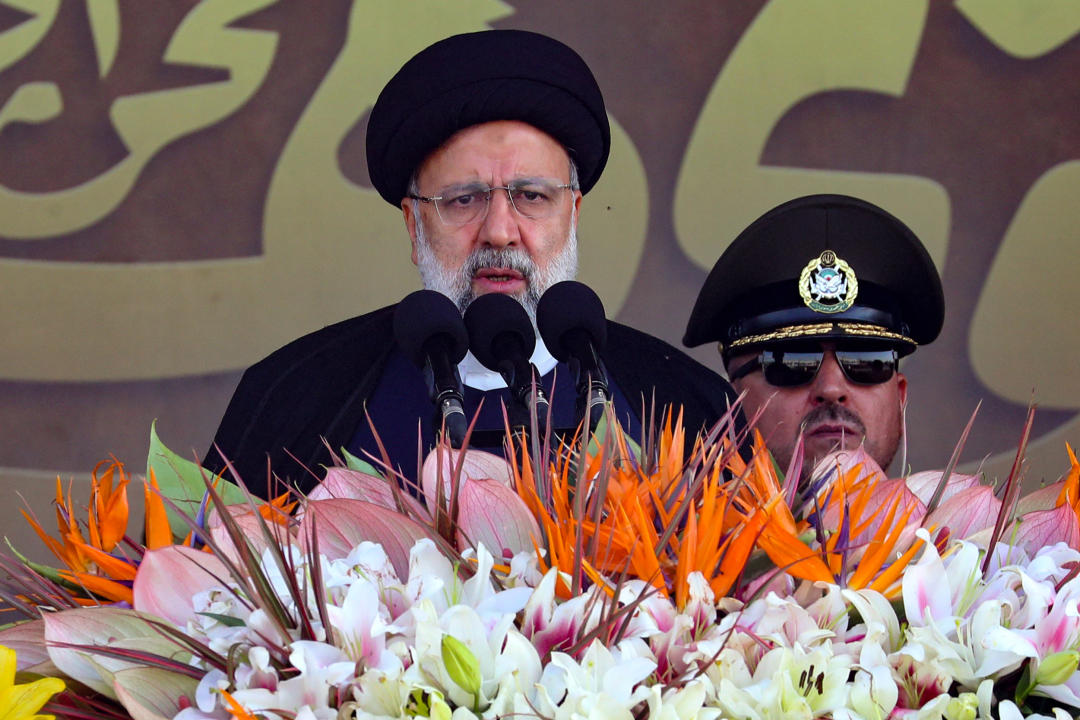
x=103, y=587
x=158, y=532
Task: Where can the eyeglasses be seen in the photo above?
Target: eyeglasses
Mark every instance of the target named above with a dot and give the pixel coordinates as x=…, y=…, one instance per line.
x=785, y=368
x=465, y=204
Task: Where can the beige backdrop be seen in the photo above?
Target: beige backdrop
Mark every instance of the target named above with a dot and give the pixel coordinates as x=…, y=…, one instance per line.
x=183, y=189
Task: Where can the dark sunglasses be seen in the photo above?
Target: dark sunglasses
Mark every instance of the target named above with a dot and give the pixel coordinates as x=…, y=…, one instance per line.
x=792, y=368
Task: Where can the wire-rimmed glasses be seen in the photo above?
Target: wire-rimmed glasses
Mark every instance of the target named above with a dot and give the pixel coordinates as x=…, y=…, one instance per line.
x=532, y=198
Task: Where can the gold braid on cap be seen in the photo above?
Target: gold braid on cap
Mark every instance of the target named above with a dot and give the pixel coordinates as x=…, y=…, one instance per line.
x=801, y=331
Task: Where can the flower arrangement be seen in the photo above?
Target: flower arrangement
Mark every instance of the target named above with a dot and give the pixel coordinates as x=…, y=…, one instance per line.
x=604, y=579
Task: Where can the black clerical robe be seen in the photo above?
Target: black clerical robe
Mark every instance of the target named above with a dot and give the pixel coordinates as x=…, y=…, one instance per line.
x=316, y=388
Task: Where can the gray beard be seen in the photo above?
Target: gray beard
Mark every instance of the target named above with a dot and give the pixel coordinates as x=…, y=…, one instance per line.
x=457, y=284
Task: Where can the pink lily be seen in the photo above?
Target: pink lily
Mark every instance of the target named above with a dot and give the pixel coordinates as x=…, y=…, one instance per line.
x=966, y=511
x=491, y=513
x=552, y=626
x=27, y=639
x=927, y=594
x=883, y=494
x=1047, y=527
x=169, y=577
x=342, y=483
x=341, y=525
x=443, y=462
x=361, y=631
x=923, y=484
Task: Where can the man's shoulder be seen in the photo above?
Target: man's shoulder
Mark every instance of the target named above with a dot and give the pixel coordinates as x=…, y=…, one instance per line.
x=301, y=392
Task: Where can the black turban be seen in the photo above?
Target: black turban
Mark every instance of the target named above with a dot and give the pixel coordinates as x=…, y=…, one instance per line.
x=481, y=77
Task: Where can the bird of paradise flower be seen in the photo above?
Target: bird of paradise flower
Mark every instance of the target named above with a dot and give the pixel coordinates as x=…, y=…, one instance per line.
x=656, y=516
x=99, y=557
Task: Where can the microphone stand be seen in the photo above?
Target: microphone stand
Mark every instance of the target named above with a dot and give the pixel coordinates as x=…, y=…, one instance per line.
x=447, y=393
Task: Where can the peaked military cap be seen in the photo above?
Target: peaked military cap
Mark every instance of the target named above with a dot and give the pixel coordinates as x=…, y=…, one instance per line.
x=480, y=77
x=821, y=267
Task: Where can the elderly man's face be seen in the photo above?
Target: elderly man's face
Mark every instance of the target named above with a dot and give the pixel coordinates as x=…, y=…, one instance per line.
x=832, y=411
x=503, y=250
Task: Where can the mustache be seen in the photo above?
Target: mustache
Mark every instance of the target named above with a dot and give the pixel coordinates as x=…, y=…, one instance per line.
x=832, y=413
x=515, y=259
x=510, y=258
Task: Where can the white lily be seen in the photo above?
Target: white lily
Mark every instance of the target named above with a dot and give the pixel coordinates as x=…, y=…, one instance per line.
x=681, y=703
x=322, y=668
x=360, y=627
x=874, y=693
x=606, y=683
x=796, y=682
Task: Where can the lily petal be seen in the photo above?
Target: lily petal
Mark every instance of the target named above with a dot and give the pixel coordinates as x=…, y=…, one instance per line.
x=966, y=512
x=341, y=525
x=492, y=514
x=104, y=626
x=168, y=578
x=343, y=483
x=923, y=484
x=27, y=640
x=23, y=700
x=926, y=588
x=1047, y=527
x=153, y=693
x=475, y=465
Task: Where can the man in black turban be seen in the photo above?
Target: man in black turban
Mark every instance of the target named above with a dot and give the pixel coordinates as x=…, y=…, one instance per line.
x=812, y=306
x=487, y=142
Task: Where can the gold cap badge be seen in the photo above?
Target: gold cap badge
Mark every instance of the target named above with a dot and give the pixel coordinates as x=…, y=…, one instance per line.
x=828, y=284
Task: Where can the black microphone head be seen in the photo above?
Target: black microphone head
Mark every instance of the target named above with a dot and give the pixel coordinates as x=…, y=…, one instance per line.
x=567, y=306
x=427, y=316
x=496, y=323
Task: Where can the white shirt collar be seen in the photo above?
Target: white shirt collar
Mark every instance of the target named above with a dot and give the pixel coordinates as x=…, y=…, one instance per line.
x=475, y=375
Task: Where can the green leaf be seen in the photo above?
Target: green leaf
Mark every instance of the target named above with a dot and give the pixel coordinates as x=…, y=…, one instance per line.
x=152, y=693
x=44, y=571
x=354, y=463
x=72, y=635
x=1025, y=685
x=600, y=435
x=226, y=620
x=181, y=481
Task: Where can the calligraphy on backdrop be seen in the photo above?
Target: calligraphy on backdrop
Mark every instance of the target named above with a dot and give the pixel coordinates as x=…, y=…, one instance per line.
x=182, y=187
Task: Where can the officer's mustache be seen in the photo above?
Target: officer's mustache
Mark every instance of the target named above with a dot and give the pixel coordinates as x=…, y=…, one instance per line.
x=833, y=413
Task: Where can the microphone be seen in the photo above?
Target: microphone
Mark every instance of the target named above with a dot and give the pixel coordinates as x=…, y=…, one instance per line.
x=502, y=338
x=572, y=323
x=431, y=333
